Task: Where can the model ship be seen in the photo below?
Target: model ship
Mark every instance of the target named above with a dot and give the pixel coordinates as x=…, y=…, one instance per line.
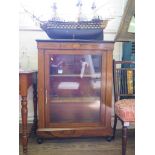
x=88, y=30
x=74, y=30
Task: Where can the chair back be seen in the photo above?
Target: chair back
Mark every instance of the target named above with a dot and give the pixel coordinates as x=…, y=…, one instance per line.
x=124, y=79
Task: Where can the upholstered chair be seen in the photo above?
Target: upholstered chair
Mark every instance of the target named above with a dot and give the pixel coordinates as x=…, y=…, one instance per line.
x=124, y=92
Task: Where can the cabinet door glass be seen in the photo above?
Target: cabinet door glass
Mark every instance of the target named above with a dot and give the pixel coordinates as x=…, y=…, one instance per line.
x=75, y=88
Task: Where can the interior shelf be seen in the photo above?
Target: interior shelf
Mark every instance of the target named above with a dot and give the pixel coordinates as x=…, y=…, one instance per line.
x=76, y=75
x=74, y=99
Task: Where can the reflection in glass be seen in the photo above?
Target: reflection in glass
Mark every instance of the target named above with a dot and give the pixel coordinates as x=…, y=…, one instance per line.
x=75, y=88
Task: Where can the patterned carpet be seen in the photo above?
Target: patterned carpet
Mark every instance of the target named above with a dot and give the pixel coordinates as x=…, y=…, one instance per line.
x=80, y=146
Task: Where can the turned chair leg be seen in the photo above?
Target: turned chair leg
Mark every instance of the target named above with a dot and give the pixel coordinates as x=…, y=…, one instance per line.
x=124, y=139
x=114, y=127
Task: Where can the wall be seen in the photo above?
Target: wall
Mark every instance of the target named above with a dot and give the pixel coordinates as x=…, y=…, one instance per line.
x=28, y=58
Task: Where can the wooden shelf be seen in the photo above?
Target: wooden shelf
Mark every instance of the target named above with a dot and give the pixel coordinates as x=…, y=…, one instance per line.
x=77, y=75
x=74, y=99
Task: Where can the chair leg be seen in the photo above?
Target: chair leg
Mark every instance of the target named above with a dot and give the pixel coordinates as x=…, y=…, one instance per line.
x=124, y=139
x=114, y=127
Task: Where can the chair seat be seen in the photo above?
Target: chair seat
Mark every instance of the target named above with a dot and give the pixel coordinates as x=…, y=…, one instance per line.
x=125, y=110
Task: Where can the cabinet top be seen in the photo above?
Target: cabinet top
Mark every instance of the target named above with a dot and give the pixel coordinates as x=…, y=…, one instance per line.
x=73, y=40
x=74, y=45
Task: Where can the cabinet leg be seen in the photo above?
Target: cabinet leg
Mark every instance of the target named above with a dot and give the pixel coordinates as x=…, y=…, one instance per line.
x=24, y=112
x=40, y=140
x=109, y=138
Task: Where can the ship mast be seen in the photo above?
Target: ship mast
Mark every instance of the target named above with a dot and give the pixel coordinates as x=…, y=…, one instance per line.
x=79, y=5
x=94, y=10
x=54, y=10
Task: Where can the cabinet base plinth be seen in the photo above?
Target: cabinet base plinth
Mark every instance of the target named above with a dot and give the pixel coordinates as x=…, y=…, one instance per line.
x=74, y=132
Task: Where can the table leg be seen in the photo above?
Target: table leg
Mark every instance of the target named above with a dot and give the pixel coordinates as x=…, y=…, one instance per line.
x=35, y=121
x=24, y=112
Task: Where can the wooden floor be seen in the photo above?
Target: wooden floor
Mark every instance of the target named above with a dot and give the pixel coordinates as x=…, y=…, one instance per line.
x=80, y=146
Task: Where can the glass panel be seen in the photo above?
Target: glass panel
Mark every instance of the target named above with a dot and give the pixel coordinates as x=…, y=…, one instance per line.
x=75, y=88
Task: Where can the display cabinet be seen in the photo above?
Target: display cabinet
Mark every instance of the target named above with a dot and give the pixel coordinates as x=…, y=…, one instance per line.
x=74, y=88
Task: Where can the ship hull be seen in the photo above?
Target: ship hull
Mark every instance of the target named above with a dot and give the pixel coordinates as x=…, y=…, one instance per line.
x=88, y=30
x=88, y=34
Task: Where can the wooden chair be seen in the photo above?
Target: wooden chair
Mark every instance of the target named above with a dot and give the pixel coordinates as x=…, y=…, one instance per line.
x=124, y=92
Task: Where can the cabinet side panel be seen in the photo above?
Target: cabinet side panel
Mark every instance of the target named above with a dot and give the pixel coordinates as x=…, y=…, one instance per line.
x=47, y=88
x=108, y=88
x=103, y=88
x=41, y=86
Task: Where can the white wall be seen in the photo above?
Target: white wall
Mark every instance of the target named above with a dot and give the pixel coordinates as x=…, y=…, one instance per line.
x=28, y=59
x=28, y=55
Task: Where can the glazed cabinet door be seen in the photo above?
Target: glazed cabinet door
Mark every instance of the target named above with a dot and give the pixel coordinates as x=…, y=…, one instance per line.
x=74, y=89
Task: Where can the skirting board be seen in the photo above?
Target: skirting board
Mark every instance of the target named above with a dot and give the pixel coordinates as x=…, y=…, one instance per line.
x=29, y=118
x=119, y=125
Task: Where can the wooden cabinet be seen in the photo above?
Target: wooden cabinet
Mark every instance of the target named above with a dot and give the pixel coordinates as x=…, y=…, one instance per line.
x=74, y=88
